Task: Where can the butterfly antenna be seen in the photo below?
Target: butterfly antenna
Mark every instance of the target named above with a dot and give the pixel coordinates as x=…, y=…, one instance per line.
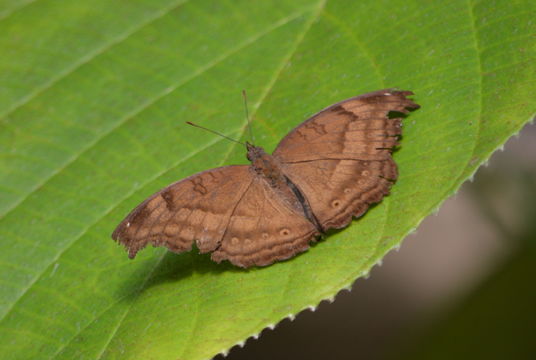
x=247, y=116
x=215, y=132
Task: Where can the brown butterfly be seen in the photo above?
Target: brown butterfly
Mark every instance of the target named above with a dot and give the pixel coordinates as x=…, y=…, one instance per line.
x=324, y=172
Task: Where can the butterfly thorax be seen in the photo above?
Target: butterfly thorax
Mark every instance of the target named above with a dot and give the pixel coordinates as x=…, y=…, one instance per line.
x=265, y=165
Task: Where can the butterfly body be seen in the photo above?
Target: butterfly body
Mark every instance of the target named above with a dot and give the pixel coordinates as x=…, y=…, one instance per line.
x=326, y=171
x=265, y=165
x=271, y=170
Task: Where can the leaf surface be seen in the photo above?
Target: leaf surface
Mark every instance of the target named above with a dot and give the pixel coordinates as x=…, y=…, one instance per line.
x=93, y=101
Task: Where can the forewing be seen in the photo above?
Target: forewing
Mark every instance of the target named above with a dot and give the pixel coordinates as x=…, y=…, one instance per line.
x=358, y=128
x=264, y=228
x=197, y=208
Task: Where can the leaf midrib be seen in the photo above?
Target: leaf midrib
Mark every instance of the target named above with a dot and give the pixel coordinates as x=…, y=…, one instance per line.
x=88, y=57
x=127, y=118
x=165, y=92
x=262, y=98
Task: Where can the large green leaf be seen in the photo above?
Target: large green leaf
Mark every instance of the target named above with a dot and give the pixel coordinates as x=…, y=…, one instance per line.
x=93, y=96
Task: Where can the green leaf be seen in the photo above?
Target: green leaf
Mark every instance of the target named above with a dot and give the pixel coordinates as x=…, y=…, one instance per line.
x=93, y=101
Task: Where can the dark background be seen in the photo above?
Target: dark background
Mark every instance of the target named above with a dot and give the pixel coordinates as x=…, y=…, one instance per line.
x=463, y=286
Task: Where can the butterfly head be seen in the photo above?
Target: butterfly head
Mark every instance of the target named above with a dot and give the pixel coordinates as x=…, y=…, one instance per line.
x=254, y=152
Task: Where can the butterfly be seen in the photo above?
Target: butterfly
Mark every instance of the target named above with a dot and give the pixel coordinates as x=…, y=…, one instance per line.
x=323, y=173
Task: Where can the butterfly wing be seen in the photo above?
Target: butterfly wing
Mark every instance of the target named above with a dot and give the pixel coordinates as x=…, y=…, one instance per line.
x=358, y=128
x=265, y=227
x=338, y=190
x=197, y=208
x=341, y=157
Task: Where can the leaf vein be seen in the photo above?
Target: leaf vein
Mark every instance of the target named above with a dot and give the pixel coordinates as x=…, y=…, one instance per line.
x=150, y=102
x=88, y=58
